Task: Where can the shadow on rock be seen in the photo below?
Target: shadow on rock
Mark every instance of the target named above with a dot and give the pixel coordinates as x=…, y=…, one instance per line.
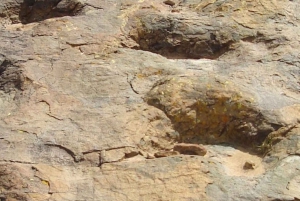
x=34, y=11
x=211, y=111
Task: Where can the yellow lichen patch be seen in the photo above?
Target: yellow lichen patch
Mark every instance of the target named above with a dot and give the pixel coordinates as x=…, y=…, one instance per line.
x=45, y=182
x=139, y=75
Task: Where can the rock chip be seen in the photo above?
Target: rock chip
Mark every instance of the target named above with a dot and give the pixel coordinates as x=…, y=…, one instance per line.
x=249, y=165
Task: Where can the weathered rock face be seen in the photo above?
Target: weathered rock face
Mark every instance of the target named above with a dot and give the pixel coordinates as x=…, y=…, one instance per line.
x=210, y=110
x=110, y=100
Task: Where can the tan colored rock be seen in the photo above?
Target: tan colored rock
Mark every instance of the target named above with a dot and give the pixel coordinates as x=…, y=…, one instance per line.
x=161, y=154
x=92, y=159
x=150, y=156
x=190, y=149
x=249, y=165
x=92, y=89
x=131, y=152
x=110, y=156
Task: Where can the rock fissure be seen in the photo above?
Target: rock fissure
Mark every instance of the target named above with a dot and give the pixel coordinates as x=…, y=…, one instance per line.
x=55, y=117
x=274, y=138
x=50, y=114
x=93, y=6
x=49, y=72
x=106, y=149
x=14, y=161
x=129, y=81
x=77, y=157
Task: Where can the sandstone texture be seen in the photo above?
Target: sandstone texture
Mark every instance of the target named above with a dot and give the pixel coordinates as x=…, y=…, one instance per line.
x=190, y=149
x=149, y=100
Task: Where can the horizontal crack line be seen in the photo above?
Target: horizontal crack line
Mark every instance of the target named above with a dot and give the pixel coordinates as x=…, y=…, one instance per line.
x=76, y=157
x=21, y=162
x=107, y=149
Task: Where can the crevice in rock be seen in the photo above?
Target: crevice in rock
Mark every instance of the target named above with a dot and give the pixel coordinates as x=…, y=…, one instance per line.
x=76, y=157
x=107, y=149
x=50, y=114
x=21, y=162
x=123, y=154
x=102, y=159
x=44, y=181
x=129, y=81
x=48, y=73
x=275, y=137
x=93, y=6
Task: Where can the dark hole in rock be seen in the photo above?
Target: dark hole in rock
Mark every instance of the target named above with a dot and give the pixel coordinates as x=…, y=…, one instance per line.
x=38, y=10
x=169, y=2
x=177, y=39
x=10, y=77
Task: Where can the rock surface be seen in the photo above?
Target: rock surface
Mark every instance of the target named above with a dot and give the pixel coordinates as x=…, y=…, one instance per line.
x=95, y=94
x=190, y=149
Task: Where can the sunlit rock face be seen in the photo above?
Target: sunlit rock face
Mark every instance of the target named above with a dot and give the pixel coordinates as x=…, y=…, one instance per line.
x=149, y=100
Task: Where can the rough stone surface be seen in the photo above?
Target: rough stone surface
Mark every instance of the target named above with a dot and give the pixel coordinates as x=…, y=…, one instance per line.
x=161, y=154
x=190, y=149
x=95, y=94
